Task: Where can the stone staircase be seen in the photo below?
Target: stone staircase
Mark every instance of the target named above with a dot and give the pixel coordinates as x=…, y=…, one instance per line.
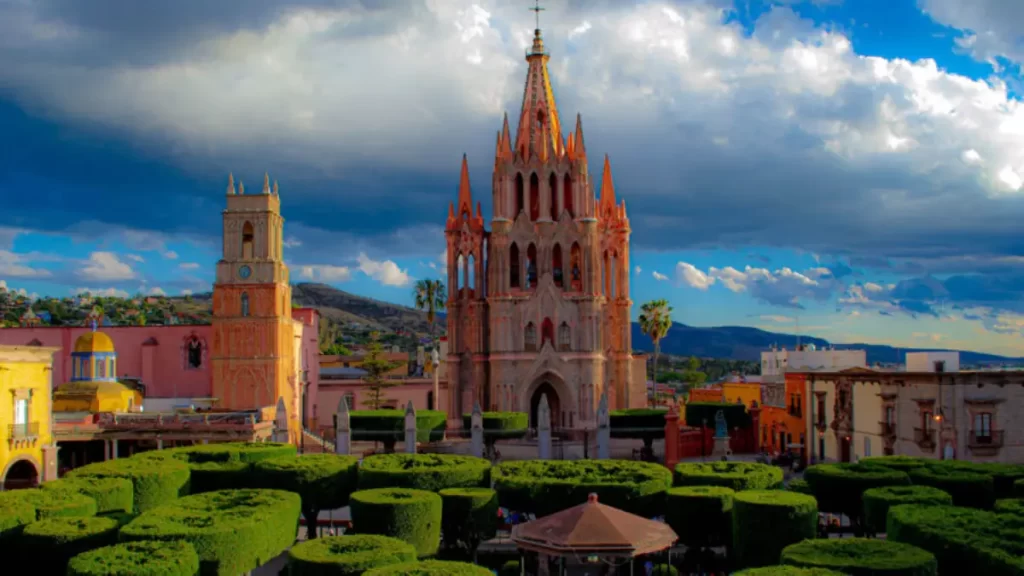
x=314, y=444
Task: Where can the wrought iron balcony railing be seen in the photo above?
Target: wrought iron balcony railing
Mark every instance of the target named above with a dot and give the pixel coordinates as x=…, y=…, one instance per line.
x=23, y=430
x=985, y=439
x=924, y=437
x=887, y=428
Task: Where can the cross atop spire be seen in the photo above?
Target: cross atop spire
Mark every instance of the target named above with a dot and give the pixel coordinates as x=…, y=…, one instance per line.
x=536, y=11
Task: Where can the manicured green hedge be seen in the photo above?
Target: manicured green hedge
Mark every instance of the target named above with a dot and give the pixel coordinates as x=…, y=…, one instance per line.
x=347, y=555
x=510, y=568
x=861, y=557
x=233, y=531
x=389, y=425
x=903, y=463
x=110, y=494
x=766, y=521
x=431, y=472
x=223, y=466
x=430, y=568
x=413, y=516
x=1018, y=488
x=877, y=502
x=664, y=570
x=468, y=516
x=1010, y=506
x=787, y=571
x=155, y=482
x=839, y=487
x=1003, y=475
x=51, y=543
x=700, y=515
x=644, y=423
x=323, y=481
x=964, y=540
x=736, y=415
x=167, y=558
x=15, y=514
x=500, y=425
x=735, y=475
x=800, y=486
x=967, y=488
x=54, y=503
x=543, y=487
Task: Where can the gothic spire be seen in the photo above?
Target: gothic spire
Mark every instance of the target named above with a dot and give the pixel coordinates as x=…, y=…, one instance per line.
x=579, y=147
x=465, y=195
x=539, y=117
x=607, y=187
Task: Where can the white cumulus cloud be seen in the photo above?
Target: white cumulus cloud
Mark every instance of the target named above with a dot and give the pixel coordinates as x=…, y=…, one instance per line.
x=386, y=272
x=106, y=267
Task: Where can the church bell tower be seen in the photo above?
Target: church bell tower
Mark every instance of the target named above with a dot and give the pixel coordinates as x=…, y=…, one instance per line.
x=252, y=306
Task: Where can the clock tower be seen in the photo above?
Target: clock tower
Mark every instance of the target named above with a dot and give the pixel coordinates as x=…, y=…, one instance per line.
x=253, y=331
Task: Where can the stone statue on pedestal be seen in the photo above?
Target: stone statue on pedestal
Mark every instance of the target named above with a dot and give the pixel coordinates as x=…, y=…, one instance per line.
x=721, y=427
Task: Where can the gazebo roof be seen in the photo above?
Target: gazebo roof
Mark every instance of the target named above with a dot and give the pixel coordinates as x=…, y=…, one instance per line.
x=594, y=528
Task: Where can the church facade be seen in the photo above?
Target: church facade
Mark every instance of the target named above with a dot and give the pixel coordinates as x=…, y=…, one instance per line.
x=539, y=304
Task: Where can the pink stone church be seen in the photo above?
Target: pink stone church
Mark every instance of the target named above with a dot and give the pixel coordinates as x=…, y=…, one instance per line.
x=539, y=305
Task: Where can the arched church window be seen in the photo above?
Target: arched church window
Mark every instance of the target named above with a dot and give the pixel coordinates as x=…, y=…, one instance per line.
x=567, y=196
x=531, y=266
x=534, y=197
x=471, y=272
x=513, y=266
x=575, y=263
x=245, y=304
x=194, y=351
x=564, y=338
x=553, y=187
x=530, y=338
x=460, y=273
x=520, y=201
x=547, y=332
x=247, y=240
x=556, y=265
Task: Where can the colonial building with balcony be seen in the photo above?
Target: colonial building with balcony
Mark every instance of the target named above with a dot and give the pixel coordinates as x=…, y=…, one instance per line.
x=27, y=451
x=932, y=409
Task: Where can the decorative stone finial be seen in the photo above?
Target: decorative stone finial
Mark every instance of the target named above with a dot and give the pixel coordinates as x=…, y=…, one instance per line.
x=409, y=409
x=275, y=188
x=231, y=184
x=241, y=187
x=266, y=183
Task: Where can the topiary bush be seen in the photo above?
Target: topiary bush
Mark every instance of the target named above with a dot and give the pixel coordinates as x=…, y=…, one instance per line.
x=233, y=531
x=430, y=472
x=51, y=543
x=499, y=426
x=322, y=481
x=664, y=570
x=963, y=540
x=430, y=568
x=645, y=424
x=799, y=486
x=1010, y=506
x=347, y=555
x=902, y=463
x=839, y=487
x=413, y=516
x=15, y=514
x=543, y=487
x=1003, y=475
x=222, y=466
x=155, y=482
x=510, y=568
x=700, y=515
x=861, y=557
x=468, y=517
x=734, y=475
x=169, y=558
x=766, y=521
x=388, y=426
x=1018, y=488
x=786, y=571
x=53, y=503
x=877, y=502
x=967, y=488
x=110, y=494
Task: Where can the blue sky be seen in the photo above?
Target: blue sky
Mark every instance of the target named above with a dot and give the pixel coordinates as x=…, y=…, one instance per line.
x=855, y=166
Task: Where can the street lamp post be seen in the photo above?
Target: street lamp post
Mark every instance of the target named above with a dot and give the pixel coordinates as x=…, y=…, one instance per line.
x=436, y=361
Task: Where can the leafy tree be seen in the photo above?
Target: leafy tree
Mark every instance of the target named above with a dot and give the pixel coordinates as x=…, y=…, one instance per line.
x=431, y=296
x=335, y=349
x=655, y=320
x=376, y=371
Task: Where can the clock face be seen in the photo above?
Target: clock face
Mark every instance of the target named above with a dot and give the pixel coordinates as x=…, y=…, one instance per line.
x=244, y=272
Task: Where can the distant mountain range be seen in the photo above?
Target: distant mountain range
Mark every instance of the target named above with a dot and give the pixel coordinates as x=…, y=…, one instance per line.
x=732, y=342
x=746, y=343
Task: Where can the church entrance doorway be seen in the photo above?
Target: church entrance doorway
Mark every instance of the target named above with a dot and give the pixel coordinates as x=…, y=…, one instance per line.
x=546, y=389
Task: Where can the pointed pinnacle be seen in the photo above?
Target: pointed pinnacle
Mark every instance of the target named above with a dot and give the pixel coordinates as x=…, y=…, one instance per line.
x=266, y=183
x=275, y=188
x=231, y=183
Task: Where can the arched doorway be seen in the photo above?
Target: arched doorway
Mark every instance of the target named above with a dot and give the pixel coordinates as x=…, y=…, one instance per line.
x=21, y=474
x=547, y=389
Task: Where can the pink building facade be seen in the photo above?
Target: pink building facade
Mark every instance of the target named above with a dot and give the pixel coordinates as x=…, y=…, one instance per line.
x=172, y=362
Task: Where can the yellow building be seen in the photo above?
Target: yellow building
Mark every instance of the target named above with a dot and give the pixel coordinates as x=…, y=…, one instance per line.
x=94, y=386
x=741, y=392
x=27, y=452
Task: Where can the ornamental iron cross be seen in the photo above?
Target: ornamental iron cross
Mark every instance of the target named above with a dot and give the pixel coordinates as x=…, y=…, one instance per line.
x=536, y=10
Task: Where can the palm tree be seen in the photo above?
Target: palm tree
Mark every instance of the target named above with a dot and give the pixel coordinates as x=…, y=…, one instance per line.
x=431, y=297
x=655, y=320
